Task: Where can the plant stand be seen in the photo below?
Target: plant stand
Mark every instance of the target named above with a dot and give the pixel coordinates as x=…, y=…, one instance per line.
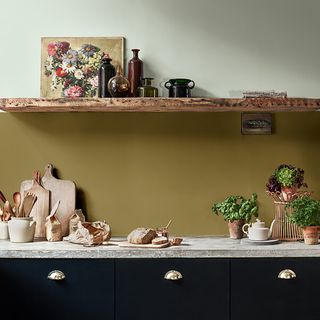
x=283, y=229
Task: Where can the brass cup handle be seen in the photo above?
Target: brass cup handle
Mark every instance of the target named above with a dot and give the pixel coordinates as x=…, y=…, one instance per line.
x=56, y=275
x=173, y=275
x=287, y=274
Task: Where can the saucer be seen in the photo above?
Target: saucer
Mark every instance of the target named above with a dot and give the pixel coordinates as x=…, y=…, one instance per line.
x=259, y=242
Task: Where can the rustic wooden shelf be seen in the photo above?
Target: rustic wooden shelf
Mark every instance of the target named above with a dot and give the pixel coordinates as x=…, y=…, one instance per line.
x=160, y=105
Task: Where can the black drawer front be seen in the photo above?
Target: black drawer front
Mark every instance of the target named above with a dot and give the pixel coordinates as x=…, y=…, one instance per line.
x=258, y=293
x=143, y=293
x=86, y=292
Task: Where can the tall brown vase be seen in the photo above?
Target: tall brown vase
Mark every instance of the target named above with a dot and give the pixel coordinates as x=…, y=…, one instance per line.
x=135, y=72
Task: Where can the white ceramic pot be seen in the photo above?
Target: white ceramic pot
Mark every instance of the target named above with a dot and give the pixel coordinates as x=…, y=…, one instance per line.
x=21, y=229
x=4, y=233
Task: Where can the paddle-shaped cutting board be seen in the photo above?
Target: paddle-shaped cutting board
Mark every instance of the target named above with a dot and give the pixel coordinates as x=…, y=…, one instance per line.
x=40, y=209
x=63, y=190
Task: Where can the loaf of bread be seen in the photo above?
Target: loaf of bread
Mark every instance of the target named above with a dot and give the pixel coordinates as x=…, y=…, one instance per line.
x=141, y=236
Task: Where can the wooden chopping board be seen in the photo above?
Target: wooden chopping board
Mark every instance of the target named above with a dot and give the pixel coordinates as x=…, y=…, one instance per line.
x=63, y=190
x=132, y=245
x=40, y=210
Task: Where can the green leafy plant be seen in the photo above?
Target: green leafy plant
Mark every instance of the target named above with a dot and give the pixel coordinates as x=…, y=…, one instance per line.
x=286, y=175
x=305, y=211
x=237, y=208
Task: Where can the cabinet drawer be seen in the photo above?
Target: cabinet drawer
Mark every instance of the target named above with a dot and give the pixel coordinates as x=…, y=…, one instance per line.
x=255, y=284
x=87, y=288
x=143, y=293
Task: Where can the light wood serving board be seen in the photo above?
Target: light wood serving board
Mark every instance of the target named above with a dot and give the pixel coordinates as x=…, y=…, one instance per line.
x=63, y=190
x=40, y=210
x=132, y=245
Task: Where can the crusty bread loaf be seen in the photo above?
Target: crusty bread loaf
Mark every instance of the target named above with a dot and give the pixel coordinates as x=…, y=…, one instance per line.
x=141, y=236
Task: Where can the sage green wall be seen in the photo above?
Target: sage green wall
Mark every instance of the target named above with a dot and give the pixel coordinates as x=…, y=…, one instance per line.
x=144, y=169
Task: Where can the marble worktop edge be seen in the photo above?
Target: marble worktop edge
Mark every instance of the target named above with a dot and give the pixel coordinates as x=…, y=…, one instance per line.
x=192, y=247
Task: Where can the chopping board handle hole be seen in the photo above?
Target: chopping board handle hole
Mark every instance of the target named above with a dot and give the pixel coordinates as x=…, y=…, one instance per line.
x=50, y=172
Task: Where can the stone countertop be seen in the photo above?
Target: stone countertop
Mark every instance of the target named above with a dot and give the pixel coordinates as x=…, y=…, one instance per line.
x=191, y=247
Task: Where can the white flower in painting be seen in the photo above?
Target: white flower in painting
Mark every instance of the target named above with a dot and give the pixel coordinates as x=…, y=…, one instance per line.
x=54, y=83
x=94, y=81
x=78, y=74
x=49, y=63
x=68, y=67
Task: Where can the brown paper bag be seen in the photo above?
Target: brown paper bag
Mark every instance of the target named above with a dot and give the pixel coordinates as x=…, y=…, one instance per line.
x=90, y=233
x=74, y=220
x=106, y=230
x=53, y=228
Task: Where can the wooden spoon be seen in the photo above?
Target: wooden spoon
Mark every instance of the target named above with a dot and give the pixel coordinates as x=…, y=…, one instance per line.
x=7, y=208
x=17, y=202
x=28, y=203
x=2, y=197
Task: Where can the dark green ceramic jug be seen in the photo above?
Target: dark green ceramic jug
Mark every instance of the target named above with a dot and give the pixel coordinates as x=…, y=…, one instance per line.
x=179, y=87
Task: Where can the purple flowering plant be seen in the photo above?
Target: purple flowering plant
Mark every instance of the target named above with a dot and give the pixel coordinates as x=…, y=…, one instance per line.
x=286, y=175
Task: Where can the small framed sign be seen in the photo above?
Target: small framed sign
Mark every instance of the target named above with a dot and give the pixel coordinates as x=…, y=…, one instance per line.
x=256, y=123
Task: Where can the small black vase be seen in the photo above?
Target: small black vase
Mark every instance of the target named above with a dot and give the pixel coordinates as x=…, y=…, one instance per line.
x=105, y=73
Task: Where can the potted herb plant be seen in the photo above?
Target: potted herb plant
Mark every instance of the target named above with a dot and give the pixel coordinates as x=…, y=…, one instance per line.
x=305, y=213
x=237, y=210
x=286, y=179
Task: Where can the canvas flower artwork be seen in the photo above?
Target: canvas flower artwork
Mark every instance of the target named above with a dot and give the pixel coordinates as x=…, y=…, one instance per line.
x=71, y=70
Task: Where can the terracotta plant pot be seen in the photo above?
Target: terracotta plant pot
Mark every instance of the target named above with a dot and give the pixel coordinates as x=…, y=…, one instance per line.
x=288, y=193
x=235, y=229
x=310, y=235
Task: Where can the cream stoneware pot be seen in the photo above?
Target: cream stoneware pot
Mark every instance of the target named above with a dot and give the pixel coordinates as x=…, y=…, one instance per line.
x=257, y=230
x=21, y=229
x=4, y=233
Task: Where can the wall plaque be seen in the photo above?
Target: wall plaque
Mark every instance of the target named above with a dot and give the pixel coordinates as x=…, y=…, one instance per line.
x=256, y=123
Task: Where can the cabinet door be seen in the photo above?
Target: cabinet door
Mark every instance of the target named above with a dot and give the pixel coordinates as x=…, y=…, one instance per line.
x=143, y=293
x=258, y=293
x=87, y=292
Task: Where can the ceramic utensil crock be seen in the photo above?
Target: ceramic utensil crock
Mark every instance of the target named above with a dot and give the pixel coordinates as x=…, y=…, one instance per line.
x=21, y=229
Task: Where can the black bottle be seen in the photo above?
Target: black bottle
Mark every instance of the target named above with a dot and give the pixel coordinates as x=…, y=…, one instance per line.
x=105, y=73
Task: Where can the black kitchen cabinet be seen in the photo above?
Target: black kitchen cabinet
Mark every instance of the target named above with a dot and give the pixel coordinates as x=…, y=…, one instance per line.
x=143, y=293
x=87, y=292
x=258, y=293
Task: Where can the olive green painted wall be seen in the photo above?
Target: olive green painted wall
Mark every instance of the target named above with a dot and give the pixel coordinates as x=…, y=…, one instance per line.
x=143, y=169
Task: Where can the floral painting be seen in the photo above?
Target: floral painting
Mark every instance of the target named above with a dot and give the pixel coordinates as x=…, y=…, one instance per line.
x=69, y=66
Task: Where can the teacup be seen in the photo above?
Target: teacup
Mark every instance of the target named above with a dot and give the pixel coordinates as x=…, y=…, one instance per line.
x=258, y=233
x=21, y=229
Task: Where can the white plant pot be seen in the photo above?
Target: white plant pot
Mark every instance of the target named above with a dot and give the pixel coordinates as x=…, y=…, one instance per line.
x=21, y=229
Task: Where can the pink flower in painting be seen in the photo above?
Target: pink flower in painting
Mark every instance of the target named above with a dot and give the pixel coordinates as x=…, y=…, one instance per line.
x=52, y=49
x=94, y=81
x=63, y=46
x=75, y=91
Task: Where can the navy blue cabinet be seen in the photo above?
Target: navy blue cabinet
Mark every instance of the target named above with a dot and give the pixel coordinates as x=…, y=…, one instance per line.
x=171, y=289
x=86, y=292
x=258, y=292
x=144, y=293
